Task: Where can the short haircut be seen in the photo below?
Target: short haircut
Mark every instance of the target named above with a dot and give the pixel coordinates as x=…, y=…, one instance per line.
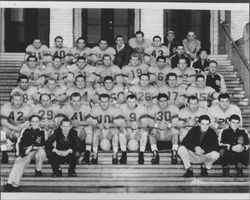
x=80, y=76
x=56, y=57
x=37, y=38
x=104, y=95
x=171, y=74
x=235, y=117
x=44, y=94
x=103, y=39
x=199, y=76
x=118, y=36
x=202, y=49
x=135, y=55
x=132, y=96
x=80, y=38
x=22, y=76
x=156, y=36
x=180, y=45
x=162, y=95
x=204, y=117
x=183, y=58
x=106, y=55
x=31, y=56
x=223, y=96
x=16, y=94
x=192, y=97
x=144, y=74
x=80, y=58
x=65, y=119
x=213, y=61
x=139, y=32
x=161, y=57
x=58, y=37
x=108, y=78
x=75, y=94
x=32, y=116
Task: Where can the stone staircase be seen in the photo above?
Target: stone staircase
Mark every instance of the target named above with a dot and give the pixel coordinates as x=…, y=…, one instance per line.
x=132, y=177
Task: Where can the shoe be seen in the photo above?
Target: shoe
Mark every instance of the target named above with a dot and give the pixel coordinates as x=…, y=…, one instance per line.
x=86, y=158
x=156, y=159
x=57, y=173
x=189, y=173
x=204, y=172
x=5, y=157
x=174, y=160
x=8, y=188
x=123, y=159
x=239, y=172
x=38, y=173
x=94, y=160
x=114, y=159
x=141, y=158
x=71, y=173
x=225, y=172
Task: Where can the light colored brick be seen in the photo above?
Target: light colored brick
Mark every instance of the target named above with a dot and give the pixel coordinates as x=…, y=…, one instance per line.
x=77, y=26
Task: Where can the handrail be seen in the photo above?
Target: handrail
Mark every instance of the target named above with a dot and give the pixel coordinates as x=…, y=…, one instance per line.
x=224, y=27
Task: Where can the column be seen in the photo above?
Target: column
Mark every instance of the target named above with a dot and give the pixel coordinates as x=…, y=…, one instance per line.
x=77, y=27
x=2, y=18
x=214, y=31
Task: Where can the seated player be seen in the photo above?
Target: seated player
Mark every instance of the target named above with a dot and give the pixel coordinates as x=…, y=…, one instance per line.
x=165, y=127
x=201, y=65
x=191, y=45
x=175, y=93
x=105, y=132
x=80, y=49
x=29, y=92
x=57, y=70
x=79, y=113
x=66, y=150
x=134, y=132
x=58, y=50
x=185, y=74
x=156, y=49
x=14, y=118
x=47, y=112
x=159, y=72
x=200, y=146
x=134, y=69
x=205, y=94
x=36, y=49
x=144, y=92
x=214, y=79
x=189, y=115
x=221, y=112
x=234, y=145
x=99, y=51
x=179, y=54
x=30, y=147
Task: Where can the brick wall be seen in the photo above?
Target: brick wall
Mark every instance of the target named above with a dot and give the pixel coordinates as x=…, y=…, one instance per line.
x=61, y=23
x=239, y=19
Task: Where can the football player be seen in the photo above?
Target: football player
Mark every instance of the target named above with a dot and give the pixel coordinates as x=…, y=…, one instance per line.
x=80, y=49
x=36, y=49
x=57, y=70
x=180, y=53
x=59, y=50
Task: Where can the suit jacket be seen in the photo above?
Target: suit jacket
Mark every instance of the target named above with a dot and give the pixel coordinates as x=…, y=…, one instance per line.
x=198, y=65
x=122, y=57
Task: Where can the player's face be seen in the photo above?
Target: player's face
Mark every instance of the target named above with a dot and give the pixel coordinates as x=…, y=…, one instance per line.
x=108, y=84
x=51, y=84
x=76, y=102
x=81, y=63
x=66, y=126
x=24, y=84
x=119, y=41
x=204, y=125
x=104, y=102
x=59, y=43
x=180, y=50
x=172, y=81
x=190, y=36
x=157, y=42
x=17, y=101
x=200, y=82
x=35, y=122
x=45, y=101
x=107, y=61
x=134, y=61
x=103, y=44
x=147, y=59
x=170, y=37
x=234, y=124
x=203, y=55
x=182, y=64
x=193, y=105
x=161, y=63
x=80, y=44
x=80, y=83
x=131, y=103
x=139, y=38
x=57, y=62
x=37, y=44
x=212, y=68
x=163, y=102
x=32, y=62
x=144, y=81
x=224, y=103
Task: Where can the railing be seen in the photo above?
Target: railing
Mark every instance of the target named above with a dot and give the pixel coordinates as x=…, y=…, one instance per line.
x=224, y=26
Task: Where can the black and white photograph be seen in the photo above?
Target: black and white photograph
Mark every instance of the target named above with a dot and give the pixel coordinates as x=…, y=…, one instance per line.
x=124, y=100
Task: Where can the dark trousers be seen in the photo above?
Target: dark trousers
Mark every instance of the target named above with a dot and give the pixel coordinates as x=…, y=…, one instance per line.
x=55, y=160
x=231, y=157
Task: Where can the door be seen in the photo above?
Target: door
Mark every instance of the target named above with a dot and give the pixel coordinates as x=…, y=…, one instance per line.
x=107, y=23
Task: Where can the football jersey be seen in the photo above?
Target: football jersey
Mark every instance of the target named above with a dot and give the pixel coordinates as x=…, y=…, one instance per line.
x=37, y=52
x=154, y=52
x=133, y=115
x=112, y=71
x=160, y=74
x=76, y=114
x=202, y=93
x=115, y=93
x=139, y=47
x=220, y=116
x=31, y=72
x=28, y=95
x=86, y=71
x=59, y=52
x=15, y=116
x=57, y=73
x=98, y=52
x=185, y=78
x=85, y=52
x=56, y=94
x=105, y=116
x=47, y=114
x=133, y=72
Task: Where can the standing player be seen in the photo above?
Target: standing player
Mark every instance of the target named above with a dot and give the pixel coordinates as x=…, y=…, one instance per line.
x=80, y=49
x=165, y=127
x=14, y=118
x=59, y=50
x=188, y=116
x=156, y=49
x=175, y=93
x=37, y=49
x=134, y=132
x=159, y=72
x=79, y=113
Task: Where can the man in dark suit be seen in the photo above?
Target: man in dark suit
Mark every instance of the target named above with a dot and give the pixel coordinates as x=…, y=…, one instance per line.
x=200, y=146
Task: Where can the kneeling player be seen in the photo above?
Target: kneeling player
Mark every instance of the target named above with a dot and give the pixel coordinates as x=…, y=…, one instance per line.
x=166, y=121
